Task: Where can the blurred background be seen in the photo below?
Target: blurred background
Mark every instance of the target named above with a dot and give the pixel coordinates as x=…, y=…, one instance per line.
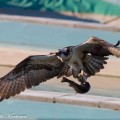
x=98, y=11
x=30, y=27
x=35, y=27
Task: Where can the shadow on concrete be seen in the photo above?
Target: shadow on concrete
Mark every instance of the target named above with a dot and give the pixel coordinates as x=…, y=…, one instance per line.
x=38, y=13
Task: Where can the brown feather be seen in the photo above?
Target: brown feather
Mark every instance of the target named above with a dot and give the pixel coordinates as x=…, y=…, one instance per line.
x=98, y=47
x=7, y=91
x=11, y=91
x=30, y=72
x=93, y=64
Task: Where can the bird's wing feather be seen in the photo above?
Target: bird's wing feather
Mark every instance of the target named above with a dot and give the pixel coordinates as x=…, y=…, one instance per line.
x=99, y=47
x=30, y=72
x=93, y=64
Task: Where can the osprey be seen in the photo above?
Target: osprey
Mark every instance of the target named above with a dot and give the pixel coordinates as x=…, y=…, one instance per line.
x=81, y=61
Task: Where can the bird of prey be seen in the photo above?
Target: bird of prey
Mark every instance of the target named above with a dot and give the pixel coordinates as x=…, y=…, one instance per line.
x=81, y=61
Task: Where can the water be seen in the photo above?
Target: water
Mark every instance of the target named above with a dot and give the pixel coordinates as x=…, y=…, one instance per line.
x=48, y=36
x=14, y=109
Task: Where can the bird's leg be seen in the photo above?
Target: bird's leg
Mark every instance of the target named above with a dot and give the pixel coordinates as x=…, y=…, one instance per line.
x=81, y=76
x=75, y=70
x=78, y=73
x=77, y=67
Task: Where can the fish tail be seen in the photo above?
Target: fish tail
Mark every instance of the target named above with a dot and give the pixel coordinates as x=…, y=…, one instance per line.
x=66, y=80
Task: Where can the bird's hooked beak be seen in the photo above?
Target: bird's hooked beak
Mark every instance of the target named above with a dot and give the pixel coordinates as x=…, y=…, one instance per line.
x=63, y=52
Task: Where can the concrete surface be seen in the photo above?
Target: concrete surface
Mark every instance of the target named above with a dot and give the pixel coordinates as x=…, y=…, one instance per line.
x=49, y=36
x=15, y=109
x=67, y=23
x=70, y=98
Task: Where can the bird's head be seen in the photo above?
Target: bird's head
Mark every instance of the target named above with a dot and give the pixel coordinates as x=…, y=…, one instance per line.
x=64, y=52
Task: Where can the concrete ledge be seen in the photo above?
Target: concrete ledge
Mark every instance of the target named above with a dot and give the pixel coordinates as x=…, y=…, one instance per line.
x=68, y=98
x=66, y=23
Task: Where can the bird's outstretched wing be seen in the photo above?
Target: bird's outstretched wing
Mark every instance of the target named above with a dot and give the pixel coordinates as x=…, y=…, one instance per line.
x=30, y=72
x=95, y=51
x=99, y=47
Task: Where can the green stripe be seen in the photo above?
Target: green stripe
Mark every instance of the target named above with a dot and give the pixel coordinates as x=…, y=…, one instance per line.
x=77, y=6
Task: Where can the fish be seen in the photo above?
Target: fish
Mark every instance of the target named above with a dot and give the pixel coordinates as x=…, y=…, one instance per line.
x=82, y=88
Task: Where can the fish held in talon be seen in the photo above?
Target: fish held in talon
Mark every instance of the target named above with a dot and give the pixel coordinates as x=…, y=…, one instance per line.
x=82, y=88
x=84, y=59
